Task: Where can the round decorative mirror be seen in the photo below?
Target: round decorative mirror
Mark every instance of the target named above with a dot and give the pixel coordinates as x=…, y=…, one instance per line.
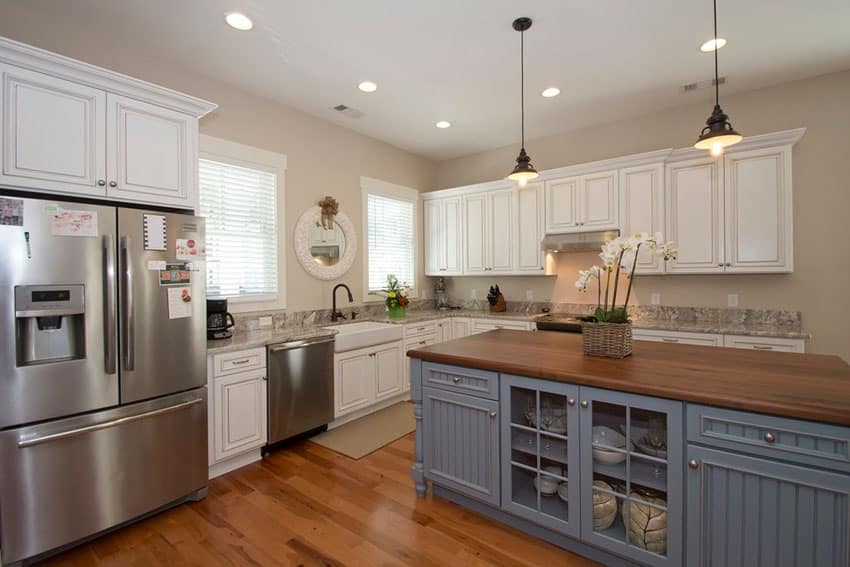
x=326, y=253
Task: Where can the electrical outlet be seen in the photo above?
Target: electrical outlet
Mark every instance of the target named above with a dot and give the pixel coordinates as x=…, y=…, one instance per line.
x=732, y=300
x=655, y=299
x=474, y=294
x=529, y=295
x=265, y=322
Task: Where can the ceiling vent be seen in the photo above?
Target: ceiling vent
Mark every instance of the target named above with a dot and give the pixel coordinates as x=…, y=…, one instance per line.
x=709, y=83
x=348, y=111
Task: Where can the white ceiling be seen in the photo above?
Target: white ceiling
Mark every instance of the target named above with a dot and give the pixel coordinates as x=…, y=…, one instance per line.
x=458, y=60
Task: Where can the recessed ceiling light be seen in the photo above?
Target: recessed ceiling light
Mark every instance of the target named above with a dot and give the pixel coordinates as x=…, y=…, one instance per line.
x=712, y=44
x=443, y=124
x=367, y=87
x=551, y=91
x=239, y=21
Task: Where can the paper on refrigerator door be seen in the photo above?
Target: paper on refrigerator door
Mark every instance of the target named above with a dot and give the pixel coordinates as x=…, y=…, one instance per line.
x=153, y=227
x=73, y=223
x=179, y=302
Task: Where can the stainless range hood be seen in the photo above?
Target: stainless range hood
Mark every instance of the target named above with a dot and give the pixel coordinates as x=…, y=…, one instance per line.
x=578, y=242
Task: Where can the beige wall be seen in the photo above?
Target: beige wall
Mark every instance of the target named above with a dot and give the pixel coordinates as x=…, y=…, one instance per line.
x=818, y=286
x=323, y=159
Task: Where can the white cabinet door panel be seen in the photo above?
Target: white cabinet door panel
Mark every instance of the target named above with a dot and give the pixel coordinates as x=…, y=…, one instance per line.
x=434, y=238
x=500, y=223
x=453, y=264
x=240, y=413
x=530, y=228
x=642, y=209
x=759, y=221
x=598, y=201
x=151, y=152
x=460, y=328
x=355, y=381
x=475, y=233
x=389, y=376
x=53, y=133
x=561, y=206
x=695, y=215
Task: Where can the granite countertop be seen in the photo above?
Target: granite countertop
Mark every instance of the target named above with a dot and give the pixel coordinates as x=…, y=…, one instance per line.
x=263, y=337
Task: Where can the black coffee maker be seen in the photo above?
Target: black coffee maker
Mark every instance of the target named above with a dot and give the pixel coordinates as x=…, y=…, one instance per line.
x=219, y=321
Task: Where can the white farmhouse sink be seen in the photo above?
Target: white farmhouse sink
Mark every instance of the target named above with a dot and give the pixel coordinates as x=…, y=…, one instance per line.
x=351, y=336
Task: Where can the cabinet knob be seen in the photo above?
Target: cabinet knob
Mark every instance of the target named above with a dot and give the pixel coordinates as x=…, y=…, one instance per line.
x=693, y=463
x=493, y=414
x=113, y=184
x=720, y=264
x=571, y=401
x=266, y=378
x=728, y=264
x=456, y=379
x=769, y=437
x=101, y=182
x=584, y=404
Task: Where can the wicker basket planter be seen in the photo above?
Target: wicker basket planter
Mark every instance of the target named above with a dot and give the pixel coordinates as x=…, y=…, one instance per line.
x=613, y=340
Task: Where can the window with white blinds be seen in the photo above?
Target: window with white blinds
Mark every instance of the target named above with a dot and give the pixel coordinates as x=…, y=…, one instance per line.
x=240, y=205
x=390, y=230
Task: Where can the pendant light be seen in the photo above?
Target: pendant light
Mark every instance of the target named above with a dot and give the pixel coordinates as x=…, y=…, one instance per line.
x=718, y=133
x=523, y=170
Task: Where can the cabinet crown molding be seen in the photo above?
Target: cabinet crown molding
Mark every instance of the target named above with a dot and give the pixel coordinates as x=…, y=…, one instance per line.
x=757, y=142
x=43, y=61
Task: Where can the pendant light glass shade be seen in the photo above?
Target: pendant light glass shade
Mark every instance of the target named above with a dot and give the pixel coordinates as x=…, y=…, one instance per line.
x=523, y=171
x=718, y=133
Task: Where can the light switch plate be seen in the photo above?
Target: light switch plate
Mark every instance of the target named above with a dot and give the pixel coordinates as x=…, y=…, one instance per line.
x=732, y=300
x=655, y=299
x=529, y=295
x=265, y=322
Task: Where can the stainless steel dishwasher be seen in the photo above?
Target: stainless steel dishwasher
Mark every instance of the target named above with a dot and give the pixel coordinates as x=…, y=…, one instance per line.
x=301, y=387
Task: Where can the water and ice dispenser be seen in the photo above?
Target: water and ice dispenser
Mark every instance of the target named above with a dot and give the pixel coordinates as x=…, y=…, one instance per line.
x=49, y=323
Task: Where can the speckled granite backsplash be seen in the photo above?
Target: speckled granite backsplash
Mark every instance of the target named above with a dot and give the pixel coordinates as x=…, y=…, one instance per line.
x=784, y=321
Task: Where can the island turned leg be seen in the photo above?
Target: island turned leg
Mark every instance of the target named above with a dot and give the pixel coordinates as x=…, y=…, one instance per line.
x=418, y=471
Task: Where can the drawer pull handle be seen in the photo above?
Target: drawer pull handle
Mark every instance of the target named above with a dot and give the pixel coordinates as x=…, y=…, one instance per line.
x=769, y=437
x=571, y=401
x=422, y=342
x=666, y=340
x=493, y=415
x=456, y=379
x=693, y=463
x=762, y=347
x=584, y=404
x=243, y=361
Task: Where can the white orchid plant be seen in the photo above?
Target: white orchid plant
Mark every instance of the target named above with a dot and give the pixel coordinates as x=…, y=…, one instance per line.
x=619, y=256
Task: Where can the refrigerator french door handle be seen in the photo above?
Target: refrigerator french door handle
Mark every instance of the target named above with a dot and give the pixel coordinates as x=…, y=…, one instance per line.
x=128, y=323
x=109, y=303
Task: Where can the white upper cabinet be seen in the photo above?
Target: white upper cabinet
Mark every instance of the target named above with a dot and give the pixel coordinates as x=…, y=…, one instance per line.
x=758, y=211
x=475, y=234
x=500, y=231
x=530, y=228
x=71, y=128
x=582, y=203
x=642, y=209
x=695, y=215
x=152, y=152
x=53, y=133
x=443, y=239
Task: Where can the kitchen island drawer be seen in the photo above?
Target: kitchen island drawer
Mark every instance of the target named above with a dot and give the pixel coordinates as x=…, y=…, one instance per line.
x=803, y=442
x=239, y=361
x=481, y=383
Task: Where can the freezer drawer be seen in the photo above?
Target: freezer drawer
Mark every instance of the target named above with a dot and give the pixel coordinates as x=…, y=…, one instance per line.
x=64, y=480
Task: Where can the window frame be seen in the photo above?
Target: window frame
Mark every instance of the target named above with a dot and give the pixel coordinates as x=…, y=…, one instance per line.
x=232, y=153
x=370, y=186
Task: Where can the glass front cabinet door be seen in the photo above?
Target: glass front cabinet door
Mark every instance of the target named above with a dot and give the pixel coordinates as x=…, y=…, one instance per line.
x=631, y=475
x=540, y=458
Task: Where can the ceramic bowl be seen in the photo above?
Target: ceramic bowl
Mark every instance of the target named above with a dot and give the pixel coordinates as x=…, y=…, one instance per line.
x=546, y=484
x=608, y=457
x=606, y=437
x=564, y=492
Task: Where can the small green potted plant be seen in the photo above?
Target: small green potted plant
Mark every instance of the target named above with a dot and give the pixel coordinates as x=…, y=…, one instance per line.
x=396, y=297
x=610, y=333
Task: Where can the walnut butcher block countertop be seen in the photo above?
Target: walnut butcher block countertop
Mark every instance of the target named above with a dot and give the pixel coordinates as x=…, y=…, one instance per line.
x=804, y=386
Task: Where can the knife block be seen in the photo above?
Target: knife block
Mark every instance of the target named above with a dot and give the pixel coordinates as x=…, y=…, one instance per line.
x=500, y=305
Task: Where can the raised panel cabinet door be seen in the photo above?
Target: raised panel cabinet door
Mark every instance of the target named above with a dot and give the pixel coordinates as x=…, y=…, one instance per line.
x=389, y=374
x=598, y=206
x=461, y=443
x=561, y=205
x=759, y=216
x=694, y=200
x=453, y=238
x=745, y=511
x=500, y=224
x=53, y=133
x=354, y=381
x=151, y=152
x=530, y=228
x=240, y=413
x=434, y=238
x=460, y=328
x=642, y=210
x=475, y=234
x=631, y=454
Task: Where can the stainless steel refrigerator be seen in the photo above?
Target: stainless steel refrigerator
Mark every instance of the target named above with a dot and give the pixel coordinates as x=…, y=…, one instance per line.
x=102, y=369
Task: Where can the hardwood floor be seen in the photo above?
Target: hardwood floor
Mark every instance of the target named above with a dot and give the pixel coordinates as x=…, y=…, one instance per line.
x=307, y=505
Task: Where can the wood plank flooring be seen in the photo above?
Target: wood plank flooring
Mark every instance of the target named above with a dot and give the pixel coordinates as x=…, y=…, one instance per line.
x=307, y=505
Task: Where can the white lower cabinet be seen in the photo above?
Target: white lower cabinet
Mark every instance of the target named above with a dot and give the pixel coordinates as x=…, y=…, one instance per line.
x=717, y=340
x=237, y=415
x=678, y=337
x=367, y=376
x=459, y=328
x=483, y=325
x=764, y=343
